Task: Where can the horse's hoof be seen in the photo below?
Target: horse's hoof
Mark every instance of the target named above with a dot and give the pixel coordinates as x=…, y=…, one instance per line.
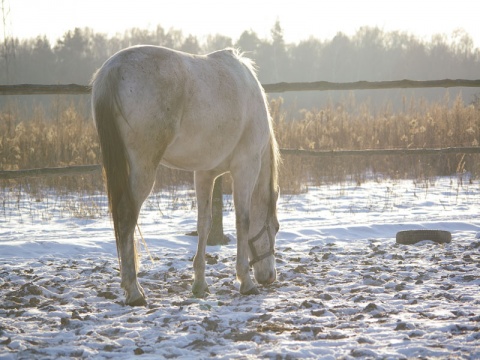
x=252, y=291
x=200, y=291
x=201, y=294
x=137, y=302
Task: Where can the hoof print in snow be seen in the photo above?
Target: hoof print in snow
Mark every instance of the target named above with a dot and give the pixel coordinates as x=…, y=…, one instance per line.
x=410, y=237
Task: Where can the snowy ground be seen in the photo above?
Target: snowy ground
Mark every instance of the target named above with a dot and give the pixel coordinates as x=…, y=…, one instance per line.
x=345, y=289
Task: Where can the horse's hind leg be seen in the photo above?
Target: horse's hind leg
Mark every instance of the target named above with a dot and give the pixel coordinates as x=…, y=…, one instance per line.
x=203, y=187
x=127, y=253
x=244, y=179
x=141, y=182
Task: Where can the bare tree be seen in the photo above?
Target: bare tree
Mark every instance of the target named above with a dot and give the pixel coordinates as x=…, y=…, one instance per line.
x=8, y=43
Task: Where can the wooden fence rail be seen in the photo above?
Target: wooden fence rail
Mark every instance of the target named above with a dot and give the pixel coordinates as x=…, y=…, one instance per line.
x=75, y=89
x=376, y=152
x=35, y=89
x=56, y=171
x=368, y=85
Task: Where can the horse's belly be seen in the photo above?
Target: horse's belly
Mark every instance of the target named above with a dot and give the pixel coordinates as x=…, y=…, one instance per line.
x=192, y=158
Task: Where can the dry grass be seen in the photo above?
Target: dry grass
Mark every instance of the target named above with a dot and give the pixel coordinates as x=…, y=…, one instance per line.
x=62, y=136
x=58, y=136
x=352, y=126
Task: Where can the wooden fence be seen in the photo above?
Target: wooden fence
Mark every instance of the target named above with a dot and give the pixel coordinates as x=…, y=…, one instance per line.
x=75, y=89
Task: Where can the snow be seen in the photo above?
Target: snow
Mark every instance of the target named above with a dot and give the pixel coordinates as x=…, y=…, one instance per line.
x=345, y=289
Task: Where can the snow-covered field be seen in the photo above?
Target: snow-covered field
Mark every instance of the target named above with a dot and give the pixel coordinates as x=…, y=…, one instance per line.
x=345, y=289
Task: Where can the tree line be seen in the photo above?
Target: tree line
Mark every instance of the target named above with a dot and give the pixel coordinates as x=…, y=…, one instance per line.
x=371, y=54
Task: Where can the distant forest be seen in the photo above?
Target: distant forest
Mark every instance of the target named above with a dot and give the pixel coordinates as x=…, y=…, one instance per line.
x=371, y=54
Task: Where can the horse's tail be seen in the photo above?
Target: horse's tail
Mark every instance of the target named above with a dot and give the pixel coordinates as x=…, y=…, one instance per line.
x=105, y=109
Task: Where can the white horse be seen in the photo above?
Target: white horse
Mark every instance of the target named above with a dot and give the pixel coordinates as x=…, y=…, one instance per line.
x=207, y=114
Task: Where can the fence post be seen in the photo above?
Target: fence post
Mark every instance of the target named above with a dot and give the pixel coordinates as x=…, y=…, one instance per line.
x=216, y=236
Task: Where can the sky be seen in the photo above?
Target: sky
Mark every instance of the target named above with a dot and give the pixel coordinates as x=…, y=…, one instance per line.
x=300, y=19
